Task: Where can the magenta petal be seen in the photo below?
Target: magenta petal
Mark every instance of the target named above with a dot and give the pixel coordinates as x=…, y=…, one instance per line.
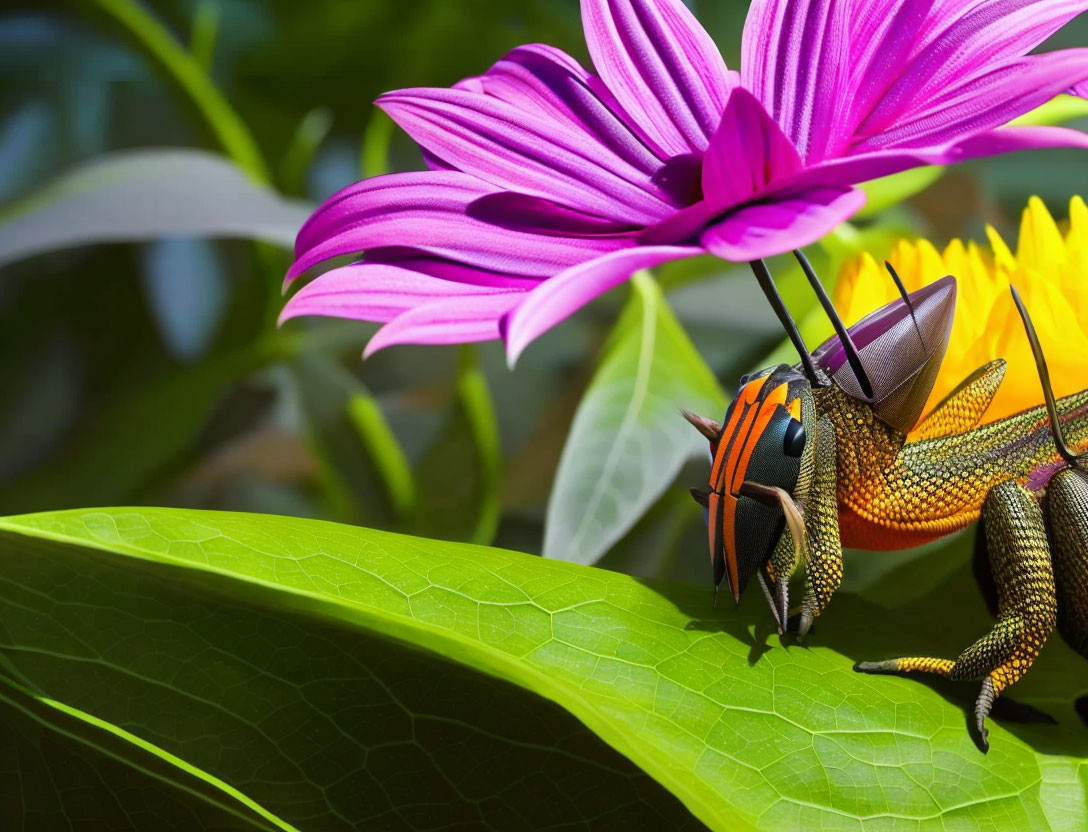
x=515, y=150
x=519, y=211
x=1080, y=89
x=662, y=66
x=547, y=82
x=376, y=292
x=682, y=226
x=962, y=38
x=451, y=320
x=561, y=296
x=447, y=270
x=884, y=35
x=795, y=59
x=428, y=211
x=862, y=75
x=866, y=166
x=770, y=228
x=906, y=54
x=747, y=151
x=974, y=104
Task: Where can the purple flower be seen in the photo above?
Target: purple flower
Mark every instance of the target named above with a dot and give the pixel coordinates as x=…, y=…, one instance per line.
x=549, y=185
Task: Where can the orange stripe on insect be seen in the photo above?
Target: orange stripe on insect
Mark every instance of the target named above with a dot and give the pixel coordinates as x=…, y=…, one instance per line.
x=737, y=419
x=763, y=418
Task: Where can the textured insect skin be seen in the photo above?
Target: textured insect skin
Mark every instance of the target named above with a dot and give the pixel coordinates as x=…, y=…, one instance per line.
x=897, y=491
x=874, y=476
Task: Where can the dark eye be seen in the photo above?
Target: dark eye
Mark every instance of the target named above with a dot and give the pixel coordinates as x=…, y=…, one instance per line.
x=794, y=443
x=745, y=379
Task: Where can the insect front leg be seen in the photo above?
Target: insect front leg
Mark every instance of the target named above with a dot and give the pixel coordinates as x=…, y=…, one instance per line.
x=823, y=566
x=1026, y=604
x=1066, y=508
x=821, y=547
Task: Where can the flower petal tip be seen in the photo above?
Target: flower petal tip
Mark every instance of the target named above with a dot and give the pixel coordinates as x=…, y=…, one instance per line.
x=514, y=348
x=377, y=343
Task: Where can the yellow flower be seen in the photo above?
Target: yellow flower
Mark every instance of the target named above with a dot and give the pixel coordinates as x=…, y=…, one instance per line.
x=1049, y=269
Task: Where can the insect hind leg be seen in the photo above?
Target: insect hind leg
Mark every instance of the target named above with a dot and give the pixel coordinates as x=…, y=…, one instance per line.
x=1020, y=561
x=1066, y=508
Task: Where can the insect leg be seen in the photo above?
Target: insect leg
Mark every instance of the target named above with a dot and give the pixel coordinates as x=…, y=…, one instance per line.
x=1026, y=603
x=1066, y=508
x=823, y=567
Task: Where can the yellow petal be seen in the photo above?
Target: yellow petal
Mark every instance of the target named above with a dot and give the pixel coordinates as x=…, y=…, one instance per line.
x=1003, y=256
x=1041, y=244
x=1049, y=270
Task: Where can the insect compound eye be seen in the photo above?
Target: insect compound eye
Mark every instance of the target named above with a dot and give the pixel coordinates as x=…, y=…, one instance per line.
x=794, y=443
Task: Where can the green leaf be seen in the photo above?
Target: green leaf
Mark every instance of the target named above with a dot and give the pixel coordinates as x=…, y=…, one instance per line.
x=628, y=439
x=62, y=754
x=747, y=733
x=176, y=683
x=140, y=195
x=889, y=191
x=1060, y=110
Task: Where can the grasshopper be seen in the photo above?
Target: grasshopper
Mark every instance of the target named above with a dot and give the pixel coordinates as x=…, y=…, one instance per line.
x=832, y=452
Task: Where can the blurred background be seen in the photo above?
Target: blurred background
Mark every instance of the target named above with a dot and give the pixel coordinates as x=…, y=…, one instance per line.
x=139, y=355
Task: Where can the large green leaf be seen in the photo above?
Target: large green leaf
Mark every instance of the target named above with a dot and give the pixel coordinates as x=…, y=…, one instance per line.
x=133, y=616
x=628, y=439
x=193, y=702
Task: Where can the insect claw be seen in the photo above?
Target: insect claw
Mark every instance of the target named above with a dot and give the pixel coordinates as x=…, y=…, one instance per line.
x=890, y=666
x=983, y=705
x=806, y=622
x=711, y=430
x=700, y=496
x=770, y=600
x=782, y=591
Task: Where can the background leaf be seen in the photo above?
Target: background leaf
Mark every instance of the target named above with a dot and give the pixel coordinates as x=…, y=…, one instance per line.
x=628, y=439
x=143, y=195
x=106, y=459
x=745, y=733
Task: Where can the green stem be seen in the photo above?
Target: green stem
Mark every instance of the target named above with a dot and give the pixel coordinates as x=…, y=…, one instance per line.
x=229, y=129
x=204, y=34
x=480, y=411
x=377, y=138
x=310, y=133
x=385, y=452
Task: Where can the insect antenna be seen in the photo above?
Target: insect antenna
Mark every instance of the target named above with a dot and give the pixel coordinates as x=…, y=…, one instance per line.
x=710, y=429
x=906, y=298
x=766, y=283
x=1044, y=377
x=852, y=354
